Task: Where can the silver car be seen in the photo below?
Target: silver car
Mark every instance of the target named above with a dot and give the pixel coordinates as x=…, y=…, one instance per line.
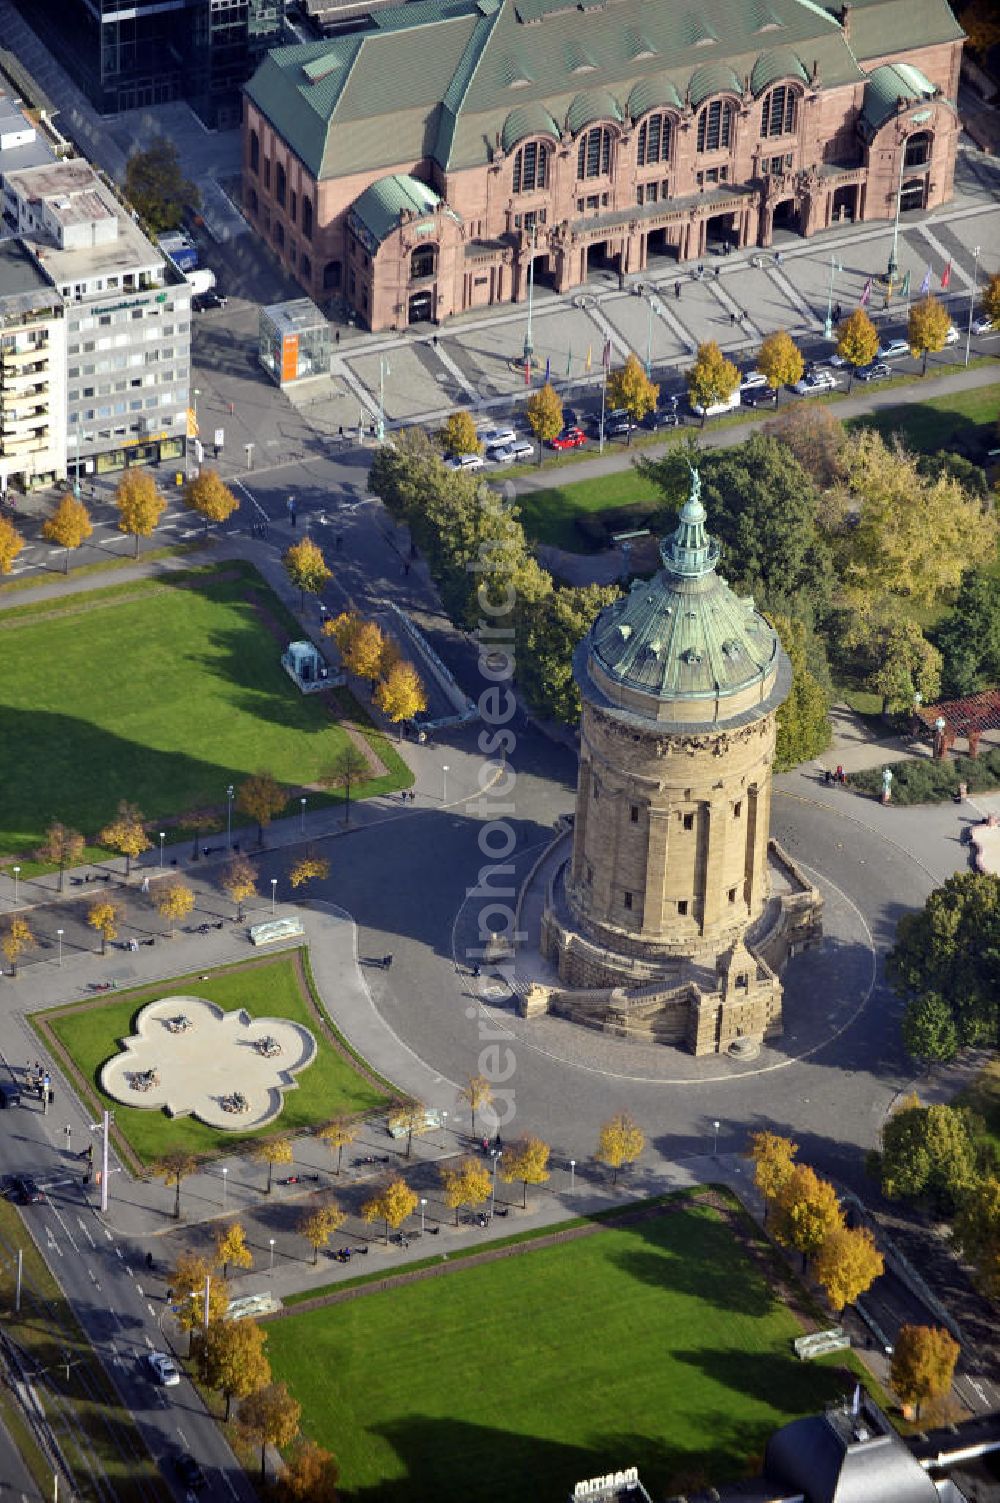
x=162, y=1368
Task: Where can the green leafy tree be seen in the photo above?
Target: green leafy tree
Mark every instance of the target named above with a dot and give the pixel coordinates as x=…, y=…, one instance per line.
x=69, y=527
x=894, y=658
x=547, y=632
x=156, y=186
x=209, y=495
x=780, y=360
x=923, y=1364
x=306, y=568
x=712, y=378
x=928, y=1151
x=803, y=720
x=806, y=1211
x=631, y=389
x=857, y=340
x=140, y=505
x=544, y=412
x=232, y=1361
x=969, y=637
x=62, y=847
x=977, y=1232
x=952, y=947
x=847, y=1264
x=927, y=328
x=348, y=767
x=459, y=436
x=262, y=798
x=620, y=1142
x=269, y=1417
x=929, y=1032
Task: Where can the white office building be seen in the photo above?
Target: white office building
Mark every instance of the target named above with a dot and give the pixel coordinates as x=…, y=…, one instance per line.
x=32, y=373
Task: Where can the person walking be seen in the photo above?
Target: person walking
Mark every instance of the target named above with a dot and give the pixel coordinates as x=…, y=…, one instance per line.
x=677, y=291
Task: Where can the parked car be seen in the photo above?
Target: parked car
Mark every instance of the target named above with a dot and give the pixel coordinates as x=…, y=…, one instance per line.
x=492, y=438
x=715, y=409
x=465, y=462
x=752, y=381
x=204, y=302
x=952, y=336
x=571, y=418
x=10, y=1093
x=163, y=1369
x=875, y=370
x=662, y=417
x=759, y=396
x=618, y=425
x=500, y=454
x=569, y=438
x=22, y=1189
x=189, y=1472
x=983, y=325
x=895, y=349
x=814, y=383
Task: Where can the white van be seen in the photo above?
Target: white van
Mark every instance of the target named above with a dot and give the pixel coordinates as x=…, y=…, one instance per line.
x=716, y=409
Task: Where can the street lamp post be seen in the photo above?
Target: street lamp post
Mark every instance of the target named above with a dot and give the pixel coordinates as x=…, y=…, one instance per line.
x=17, y=872
x=529, y=348
x=444, y=786
x=270, y=1243
x=893, y=266
x=972, y=299
x=423, y=1203
x=229, y=817
x=572, y=1175
x=69, y=1137
x=302, y=817
x=715, y=1145
x=649, y=334
x=383, y=371
x=225, y=1185
x=59, y=935
x=249, y=453
x=828, y=322
x=274, y=893
x=497, y=1156
x=163, y=836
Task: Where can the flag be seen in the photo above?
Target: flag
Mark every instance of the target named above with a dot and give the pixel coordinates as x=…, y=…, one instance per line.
x=527, y=371
x=946, y=276
x=606, y=356
x=192, y=423
x=925, y=285
x=548, y=369
x=590, y=356
x=569, y=361
x=866, y=293
x=904, y=291
x=888, y=292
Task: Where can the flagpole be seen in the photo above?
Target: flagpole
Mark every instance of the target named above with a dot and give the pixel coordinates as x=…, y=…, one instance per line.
x=529, y=348
x=828, y=325
x=893, y=262
x=972, y=300
x=604, y=389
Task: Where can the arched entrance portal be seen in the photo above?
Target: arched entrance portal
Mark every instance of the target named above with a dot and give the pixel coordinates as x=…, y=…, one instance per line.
x=913, y=194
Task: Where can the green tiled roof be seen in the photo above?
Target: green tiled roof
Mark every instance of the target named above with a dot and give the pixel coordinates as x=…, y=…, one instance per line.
x=381, y=205
x=441, y=78
x=684, y=635
x=887, y=87
x=771, y=67
x=533, y=120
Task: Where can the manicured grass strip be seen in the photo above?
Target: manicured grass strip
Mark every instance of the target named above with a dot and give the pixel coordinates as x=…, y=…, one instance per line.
x=161, y=691
x=47, y=1332
x=659, y=1338
x=90, y=1034
x=550, y=516
x=85, y=571
x=938, y=423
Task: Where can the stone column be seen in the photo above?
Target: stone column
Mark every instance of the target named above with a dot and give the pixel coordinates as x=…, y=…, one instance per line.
x=583, y=797
x=715, y=853
x=657, y=846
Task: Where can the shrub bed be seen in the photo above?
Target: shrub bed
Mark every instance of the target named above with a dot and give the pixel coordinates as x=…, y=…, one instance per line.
x=920, y=780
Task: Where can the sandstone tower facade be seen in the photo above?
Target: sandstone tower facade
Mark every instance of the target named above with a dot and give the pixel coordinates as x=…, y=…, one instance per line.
x=673, y=911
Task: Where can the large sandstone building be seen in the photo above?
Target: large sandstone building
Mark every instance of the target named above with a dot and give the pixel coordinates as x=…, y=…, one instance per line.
x=415, y=167
x=671, y=917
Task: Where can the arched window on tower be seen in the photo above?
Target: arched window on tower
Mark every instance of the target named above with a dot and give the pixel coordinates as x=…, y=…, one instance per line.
x=593, y=158
x=918, y=149
x=715, y=126
x=254, y=151
x=531, y=167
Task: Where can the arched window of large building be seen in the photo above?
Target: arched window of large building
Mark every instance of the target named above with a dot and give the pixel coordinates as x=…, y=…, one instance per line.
x=307, y=218
x=778, y=118
x=531, y=167
x=594, y=153
x=252, y=200
x=654, y=140
x=715, y=126
x=918, y=149
x=279, y=183
x=423, y=262
x=254, y=151
x=331, y=276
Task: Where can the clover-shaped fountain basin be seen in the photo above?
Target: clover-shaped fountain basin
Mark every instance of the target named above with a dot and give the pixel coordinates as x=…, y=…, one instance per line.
x=190, y=1058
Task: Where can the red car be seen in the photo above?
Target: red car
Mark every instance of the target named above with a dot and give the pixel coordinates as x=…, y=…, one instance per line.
x=570, y=438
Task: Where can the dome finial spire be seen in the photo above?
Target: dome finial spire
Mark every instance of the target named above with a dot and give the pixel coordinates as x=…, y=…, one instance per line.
x=690, y=551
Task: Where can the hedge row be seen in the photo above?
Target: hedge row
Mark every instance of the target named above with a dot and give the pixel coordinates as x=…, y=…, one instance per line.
x=921, y=780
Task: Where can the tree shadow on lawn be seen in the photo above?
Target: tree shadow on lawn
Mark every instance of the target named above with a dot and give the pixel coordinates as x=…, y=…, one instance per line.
x=450, y=1460
x=717, y=1276
x=785, y=1383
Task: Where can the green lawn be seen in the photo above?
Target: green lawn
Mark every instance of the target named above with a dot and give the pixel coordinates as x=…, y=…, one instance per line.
x=549, y=516
x=657, y=1345
x=329, y=1087
x=162, y=692
x=938, y=423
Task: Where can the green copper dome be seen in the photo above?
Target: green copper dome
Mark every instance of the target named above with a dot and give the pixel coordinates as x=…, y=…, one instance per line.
x=683, y=637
